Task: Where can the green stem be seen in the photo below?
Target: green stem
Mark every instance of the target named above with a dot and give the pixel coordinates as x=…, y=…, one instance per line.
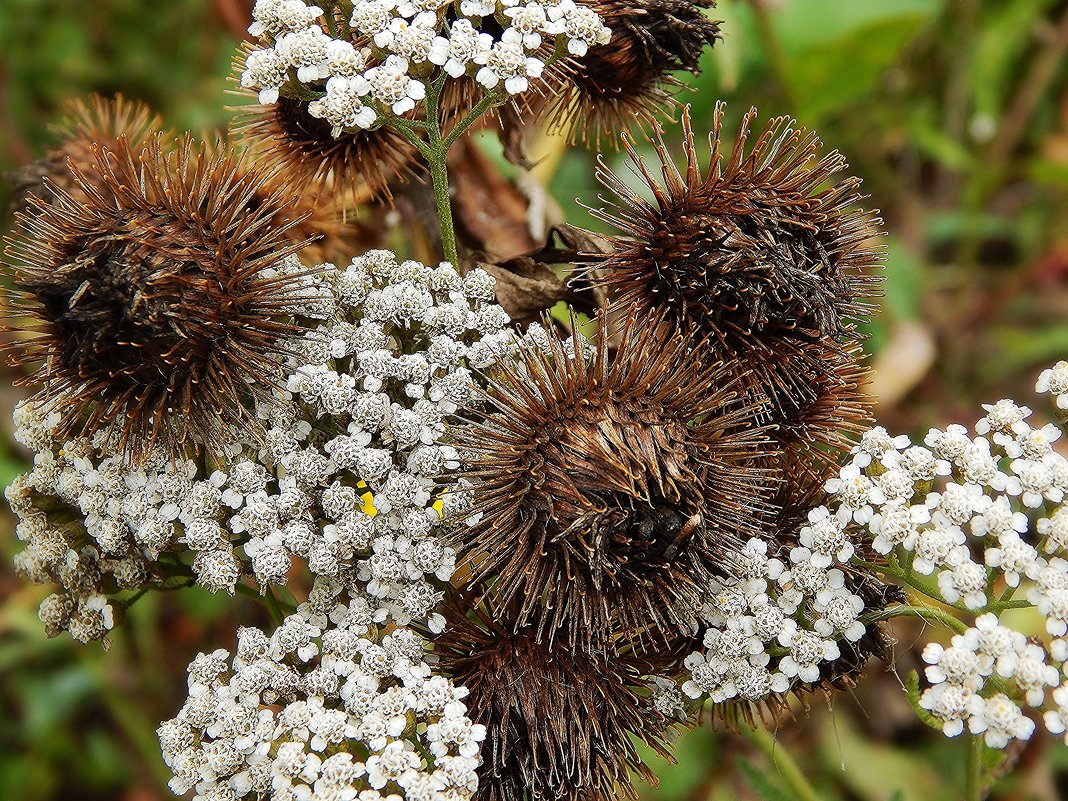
x=973, y=777
x=785, y=764
x=439, y=177
x=1001, y=606
x=277, y=616
x=923, y=613
x=921, y=584
x=1006, y=596
x=488, y=101
x=410, y=129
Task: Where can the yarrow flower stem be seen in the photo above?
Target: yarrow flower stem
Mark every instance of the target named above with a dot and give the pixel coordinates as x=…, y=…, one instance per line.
x=789, y=771
x=436, y=145
x=923, y=612
x=973, y=778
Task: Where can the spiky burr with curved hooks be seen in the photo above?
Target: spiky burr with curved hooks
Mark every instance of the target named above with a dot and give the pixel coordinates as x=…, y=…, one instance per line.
x=611, y=487
x=160, y=296
x=763, y=256
x=561, y=721
x=629, y=81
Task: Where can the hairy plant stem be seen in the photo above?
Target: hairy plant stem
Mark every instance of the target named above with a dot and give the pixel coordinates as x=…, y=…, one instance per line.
x=923, y=612
x=785, y=764
x=433, y=144
x=925, y=586
x=973, y=777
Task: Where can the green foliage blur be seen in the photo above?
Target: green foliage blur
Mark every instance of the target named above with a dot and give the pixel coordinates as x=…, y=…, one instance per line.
x=955, y=114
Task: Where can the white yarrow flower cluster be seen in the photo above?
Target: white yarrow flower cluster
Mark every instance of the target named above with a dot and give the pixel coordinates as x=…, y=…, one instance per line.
x=779, y=624
x=960, y=676
x=982, y=513
x=326, y=707
x=1054, y=382
x=388, y=356
x=380, y=62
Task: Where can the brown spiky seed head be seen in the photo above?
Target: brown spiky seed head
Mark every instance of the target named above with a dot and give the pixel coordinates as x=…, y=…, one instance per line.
x=610, y=487
x=561, y=722
x=97, y=122
x=354, y=166
x=825, y=409
x=629, y=81
x=157, y=298
x=760, y=251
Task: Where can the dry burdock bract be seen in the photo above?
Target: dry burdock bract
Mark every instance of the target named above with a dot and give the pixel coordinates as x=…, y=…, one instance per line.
x=762, y=254
x=88, y=125
x=612, y=488
x=354, y=166
x=561, y=721
x=627, y=82
x=154, y=293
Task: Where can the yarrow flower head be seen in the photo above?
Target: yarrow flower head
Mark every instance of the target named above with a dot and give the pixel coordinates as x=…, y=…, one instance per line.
x=982, y=512
x=400, y=44
x=779, y=626
x=386, y=358
x=324, y=707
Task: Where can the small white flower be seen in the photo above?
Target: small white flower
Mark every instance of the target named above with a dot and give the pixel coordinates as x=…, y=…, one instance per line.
x=897, y=524
x=825, y=536
x=1029, y=671
x=1015, y=558
x=506, y=61
x=390, y=84
x=1055, y=530
x=1057, y=719
x=937, y=547
x=582, y=27
x=950, y=444
x=305, y=50
x=1000, y=418
x=999, y=720
x=950, y=703
x=467, y=47
x=528, y=22
x=1054, y=381
x=991, y=641
x=373, y=18
x=964, y=580
x=267, y=72
x=856, y=493
x=957, y=664
x=875, y=443
x=806, y=650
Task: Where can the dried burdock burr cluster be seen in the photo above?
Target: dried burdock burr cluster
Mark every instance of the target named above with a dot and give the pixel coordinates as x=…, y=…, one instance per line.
x=493, y=557
x=158, y=297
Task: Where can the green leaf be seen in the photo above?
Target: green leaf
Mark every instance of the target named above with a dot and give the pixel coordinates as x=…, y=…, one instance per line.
x=912, y=689
x=903, y=286
x=761, y=784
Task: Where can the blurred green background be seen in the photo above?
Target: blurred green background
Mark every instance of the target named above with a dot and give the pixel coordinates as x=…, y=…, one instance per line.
x=955, y=114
